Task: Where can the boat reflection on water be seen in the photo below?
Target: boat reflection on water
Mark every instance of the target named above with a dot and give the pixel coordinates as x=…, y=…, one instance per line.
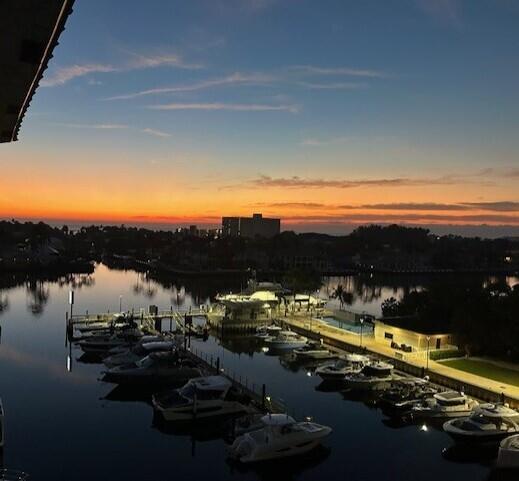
x=122, y=393
x=498, y=474
x=484, y=455
x=239, y=343
x=287, y=469
x=206, y=430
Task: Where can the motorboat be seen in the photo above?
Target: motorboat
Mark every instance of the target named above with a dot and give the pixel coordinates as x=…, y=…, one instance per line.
x=489, y=423
x=158, y=367
x=119, y=320
x=2, y=428
x=313, y=350
x=268, y=331
x=508, y=454
x=405, y=394
x=374, y=376
x=286, y=340
x=447, y=404
x=201, y=398
x=103, y=343
x=281, y=436
x=137, y=352
x=142, y=340
x=335, y=371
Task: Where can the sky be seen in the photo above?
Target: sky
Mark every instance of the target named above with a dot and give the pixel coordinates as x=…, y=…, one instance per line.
x=328, y=114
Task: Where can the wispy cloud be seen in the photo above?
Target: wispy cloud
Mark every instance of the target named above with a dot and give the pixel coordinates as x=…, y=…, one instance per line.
x=293, y=76
x=405, y=218
x=236, y=78
x=226, y=106
x=155, y=133
x=295, y=182
x=503, y=206
x=499, y=206
x=93, y=126
x=314, y=142
x=332, y=86
x=338, y=71
x=62, y=75
x=446, y=11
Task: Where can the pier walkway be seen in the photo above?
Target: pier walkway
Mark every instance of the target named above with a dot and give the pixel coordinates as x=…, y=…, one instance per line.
x=476, y=386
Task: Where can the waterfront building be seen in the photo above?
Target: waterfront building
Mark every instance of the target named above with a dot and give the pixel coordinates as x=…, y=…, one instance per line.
x=399, y=335
x=250, y=227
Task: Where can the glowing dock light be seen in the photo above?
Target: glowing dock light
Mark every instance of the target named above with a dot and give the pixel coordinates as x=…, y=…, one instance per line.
x=424, y=428
x=308, y=373
x=265, y=349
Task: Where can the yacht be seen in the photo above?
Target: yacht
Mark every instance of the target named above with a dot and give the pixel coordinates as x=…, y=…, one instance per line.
x=143, y=340
x=103, y=343
x=313, y=350
x=447, y=404
x=158, y=367
x=404, y=395
x=286, y=340
x=268, y=331
x=335, y=371
x=280, y=437
x=508, y=455
x=137, y=352
x=201, y=398
x=488, y=423
x=374, y=376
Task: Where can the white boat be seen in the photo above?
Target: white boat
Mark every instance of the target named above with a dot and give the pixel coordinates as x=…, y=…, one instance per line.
x=280, y=437
x=489, y=423
x=286, y=340
x=268, y=331
x=102, y=344
x=335, y=371
x=313, y=350
x=2, y=428
x=158, y=367
x=201, y=398
x=447, y=404
x=374, y=376
x=508, y=455
x=119, y=320
x=137, y=352
x=143, y=340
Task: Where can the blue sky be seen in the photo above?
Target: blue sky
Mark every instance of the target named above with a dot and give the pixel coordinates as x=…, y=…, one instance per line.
x=217, y=94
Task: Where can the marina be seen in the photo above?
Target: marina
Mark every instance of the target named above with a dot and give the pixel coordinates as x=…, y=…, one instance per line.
x=121, y=418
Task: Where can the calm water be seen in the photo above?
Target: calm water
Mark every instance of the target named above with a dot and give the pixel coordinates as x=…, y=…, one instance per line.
x=63, y=425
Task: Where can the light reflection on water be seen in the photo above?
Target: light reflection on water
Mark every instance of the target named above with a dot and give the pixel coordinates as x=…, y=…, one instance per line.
x=63, y=425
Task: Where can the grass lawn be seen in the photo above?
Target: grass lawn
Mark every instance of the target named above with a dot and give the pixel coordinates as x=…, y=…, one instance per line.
x=485, y=369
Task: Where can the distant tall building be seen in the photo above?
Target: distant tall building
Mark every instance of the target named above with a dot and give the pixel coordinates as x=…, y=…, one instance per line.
x=255, y=226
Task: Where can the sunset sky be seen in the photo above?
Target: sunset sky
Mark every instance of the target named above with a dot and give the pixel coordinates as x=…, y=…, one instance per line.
x=326, y=113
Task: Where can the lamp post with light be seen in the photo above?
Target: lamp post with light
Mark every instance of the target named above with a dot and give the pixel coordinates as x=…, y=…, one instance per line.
x=120, y=303
x=361, y=326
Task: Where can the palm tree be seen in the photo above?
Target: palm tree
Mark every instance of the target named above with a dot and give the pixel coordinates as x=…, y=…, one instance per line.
x=338, y=293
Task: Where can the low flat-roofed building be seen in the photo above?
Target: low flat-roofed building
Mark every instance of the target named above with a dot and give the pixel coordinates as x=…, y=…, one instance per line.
x=398, y=333
x=250, y=227
x=29, y=31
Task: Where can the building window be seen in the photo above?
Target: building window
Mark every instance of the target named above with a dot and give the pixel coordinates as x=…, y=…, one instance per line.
x=388, y=335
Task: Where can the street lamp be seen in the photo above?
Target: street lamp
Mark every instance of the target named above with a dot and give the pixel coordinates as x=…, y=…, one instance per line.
x=427, y=359
x=361, y=325
x=120, y=303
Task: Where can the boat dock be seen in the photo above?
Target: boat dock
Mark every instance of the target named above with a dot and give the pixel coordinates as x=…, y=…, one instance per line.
x=475, y=386
x=151, y=321
x=147, y=319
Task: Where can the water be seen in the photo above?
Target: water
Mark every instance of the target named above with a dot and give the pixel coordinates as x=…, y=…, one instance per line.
x=61, y=426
